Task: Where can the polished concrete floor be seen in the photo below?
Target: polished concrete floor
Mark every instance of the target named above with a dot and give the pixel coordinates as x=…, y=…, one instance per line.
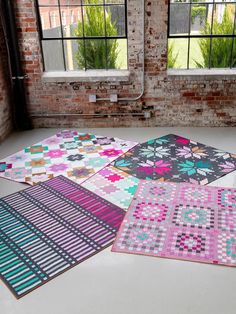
x=114, y=283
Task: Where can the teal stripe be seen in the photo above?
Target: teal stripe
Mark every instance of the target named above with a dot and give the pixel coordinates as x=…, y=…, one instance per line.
x=10, y=234
x=9, y=265
x=13, y=227
x=17, y=279
x=8, y=223
x=7, y=258
x=27, y=284
x=15, y=271
x=28, y=240
x=4, y=216
x=7, y=250
x=22, y=236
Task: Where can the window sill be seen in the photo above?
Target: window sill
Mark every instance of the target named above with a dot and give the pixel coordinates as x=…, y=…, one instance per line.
x=86, y=76
x=199, y=73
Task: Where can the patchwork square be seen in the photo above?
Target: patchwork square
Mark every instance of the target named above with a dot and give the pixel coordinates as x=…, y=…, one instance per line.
x=160, y=192
x=113, y=185
x=227, y=198
x=177, y=159
x=193, y=216
x=198, y=195
x=69, y=153
x=138, y=237
x=151, y=211
x=227, y=220
x=181, y=221
x=49, y=228
x=188, y=244
x=226, y=248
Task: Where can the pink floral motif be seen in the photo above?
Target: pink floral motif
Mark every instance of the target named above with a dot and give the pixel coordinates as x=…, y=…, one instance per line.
x=111, y=152
x=105, y=172
x=17, y=173
x=67, y=134
x=188, y=152
x=227, y=167
x=58, y=167
x=147, y=170
x=52, y=141
x=18, y=157
x=162, y=167
x=182, y=140
x=55, y=153
x=114, y=177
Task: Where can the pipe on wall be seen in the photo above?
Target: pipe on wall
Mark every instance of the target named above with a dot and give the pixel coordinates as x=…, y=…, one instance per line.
x=114, y=114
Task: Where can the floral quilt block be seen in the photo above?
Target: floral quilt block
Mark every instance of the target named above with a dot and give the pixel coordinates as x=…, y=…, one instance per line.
x=180, y=221
x=75, y=155
x=113, y=185
x=178, y=159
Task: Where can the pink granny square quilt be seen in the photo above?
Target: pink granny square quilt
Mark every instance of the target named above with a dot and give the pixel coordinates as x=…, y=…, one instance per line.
x=181, y=221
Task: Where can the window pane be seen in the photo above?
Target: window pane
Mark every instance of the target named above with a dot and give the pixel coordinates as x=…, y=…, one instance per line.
x=72, y=21
x=95, y=53
x=223, y=18
x=69, y=2
x=233, y=61
x=221, y=52
x=53, y=55
x=179, y=1
x=177, y=53
x=199, y=53
x=94, y=21
x=115, y=20
x=83, y=19
x=50, y=21
x=92, y=2
x=201, y=19
x=48, y=2
x=179, y=19
x=115, y=1
x=117, y=54
x=74, y=50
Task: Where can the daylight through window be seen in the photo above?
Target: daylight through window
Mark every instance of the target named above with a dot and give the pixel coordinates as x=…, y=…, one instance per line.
x=83, y=34
x=202, y=34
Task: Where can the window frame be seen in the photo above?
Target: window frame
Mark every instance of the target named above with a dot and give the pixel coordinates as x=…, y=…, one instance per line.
x=190, y=3
x=58, y=6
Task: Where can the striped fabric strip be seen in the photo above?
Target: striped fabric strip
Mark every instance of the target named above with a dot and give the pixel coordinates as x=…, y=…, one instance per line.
x=48, y=228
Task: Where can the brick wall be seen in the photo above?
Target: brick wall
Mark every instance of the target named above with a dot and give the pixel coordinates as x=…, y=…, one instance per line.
x=172, y=100
x=5, y=115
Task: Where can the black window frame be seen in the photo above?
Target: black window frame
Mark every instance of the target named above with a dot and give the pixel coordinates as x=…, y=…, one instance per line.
x=189, y=36
x=84, y=38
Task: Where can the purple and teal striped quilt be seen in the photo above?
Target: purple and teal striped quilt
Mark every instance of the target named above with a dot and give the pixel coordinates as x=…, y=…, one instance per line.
x=49, y=228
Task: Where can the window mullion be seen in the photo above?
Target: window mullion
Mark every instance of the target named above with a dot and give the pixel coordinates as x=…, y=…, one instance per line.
x=82, y=18
x=105, y=29
x=233, y=39
x=189, y=32
x=62, y=36
x=212, y=24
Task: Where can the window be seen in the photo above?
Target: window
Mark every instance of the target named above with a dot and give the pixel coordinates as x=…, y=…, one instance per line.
x=52, y=19
x=83, y=34
x=63, y=18
x=202, y=34
x=72, y=17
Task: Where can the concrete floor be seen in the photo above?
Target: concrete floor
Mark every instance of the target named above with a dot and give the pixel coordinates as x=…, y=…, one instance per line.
x=114, y=283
